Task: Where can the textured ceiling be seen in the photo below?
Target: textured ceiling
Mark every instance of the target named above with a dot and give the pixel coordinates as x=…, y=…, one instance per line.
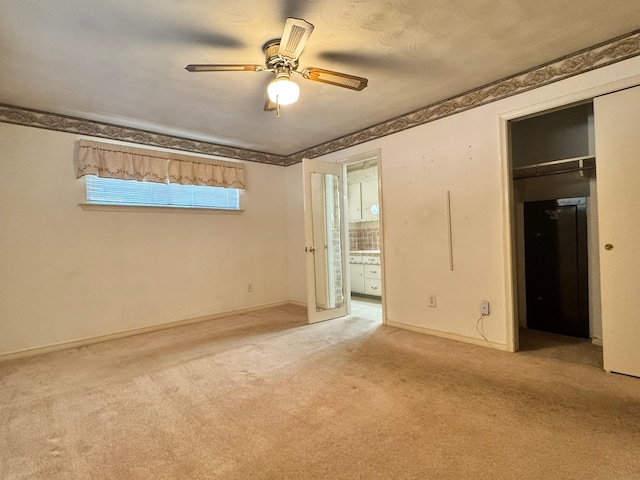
x=122, y=62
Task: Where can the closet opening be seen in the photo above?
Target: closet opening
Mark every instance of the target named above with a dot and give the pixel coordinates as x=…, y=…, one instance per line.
x=553, y=175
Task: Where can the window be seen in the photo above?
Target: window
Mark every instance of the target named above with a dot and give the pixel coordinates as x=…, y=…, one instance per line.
x=113, y=191
x=121, y=175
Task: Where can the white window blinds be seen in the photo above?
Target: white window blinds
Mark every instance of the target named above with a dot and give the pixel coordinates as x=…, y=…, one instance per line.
x=113, y=191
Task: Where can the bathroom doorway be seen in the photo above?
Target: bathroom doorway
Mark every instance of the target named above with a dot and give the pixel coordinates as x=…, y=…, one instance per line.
x=364, y=214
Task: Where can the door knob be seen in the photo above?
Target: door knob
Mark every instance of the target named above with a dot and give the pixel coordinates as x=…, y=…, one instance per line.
x=608, y=246
x=309, y=249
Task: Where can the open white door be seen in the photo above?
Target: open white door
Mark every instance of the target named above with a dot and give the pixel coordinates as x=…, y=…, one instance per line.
x=325, y=226
x=617, y=127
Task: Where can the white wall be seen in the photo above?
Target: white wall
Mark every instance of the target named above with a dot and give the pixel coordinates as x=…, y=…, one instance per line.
x=462, y=154
x=70, y=274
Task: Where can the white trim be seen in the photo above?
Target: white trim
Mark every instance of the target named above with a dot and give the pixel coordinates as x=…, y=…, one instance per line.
x=297, y=303
x=513, y=339
x=136, y=331
x=450, y=336
x=101, y=207
x=574, y=98
x=383, y=276
x=362, y=157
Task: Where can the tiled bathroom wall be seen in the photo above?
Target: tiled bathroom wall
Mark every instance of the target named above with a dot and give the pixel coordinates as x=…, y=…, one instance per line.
x=364, y=235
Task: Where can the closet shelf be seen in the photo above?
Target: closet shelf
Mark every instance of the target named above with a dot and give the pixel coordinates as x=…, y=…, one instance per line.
x=575, y=164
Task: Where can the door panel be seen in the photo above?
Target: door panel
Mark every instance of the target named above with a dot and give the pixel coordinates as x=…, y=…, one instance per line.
x=357, y=277
x=325, y=240
x=617, y=128
x=556, y=266
x=369, y=197
x=354, y=202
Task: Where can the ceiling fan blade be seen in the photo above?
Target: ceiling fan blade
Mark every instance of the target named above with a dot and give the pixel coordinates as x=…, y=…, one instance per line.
x=223, y=68
x=292, y=8
x=269, y=106
x=294, y=37
x=335, y=78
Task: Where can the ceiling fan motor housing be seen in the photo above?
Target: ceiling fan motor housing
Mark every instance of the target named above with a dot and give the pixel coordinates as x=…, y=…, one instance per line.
x=273, y=59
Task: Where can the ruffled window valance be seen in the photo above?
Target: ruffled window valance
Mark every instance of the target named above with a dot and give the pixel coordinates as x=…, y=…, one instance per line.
x=109, y=160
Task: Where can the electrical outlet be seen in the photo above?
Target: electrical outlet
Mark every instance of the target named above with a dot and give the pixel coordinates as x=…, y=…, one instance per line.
x=432, y=300
x=484, y=307
x=250, y=288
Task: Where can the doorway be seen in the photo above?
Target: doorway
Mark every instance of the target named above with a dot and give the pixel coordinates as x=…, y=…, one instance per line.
x=553, y=171
x=329, y=247
x=364, y=214
x=364, y=230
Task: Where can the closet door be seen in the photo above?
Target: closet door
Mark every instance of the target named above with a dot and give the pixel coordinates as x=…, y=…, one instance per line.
x=617, y=129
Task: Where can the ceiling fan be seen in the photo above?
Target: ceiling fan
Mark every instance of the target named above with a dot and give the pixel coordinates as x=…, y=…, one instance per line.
x=281, y=58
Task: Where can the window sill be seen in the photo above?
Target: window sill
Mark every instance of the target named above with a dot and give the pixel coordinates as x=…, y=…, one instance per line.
x=97, y=207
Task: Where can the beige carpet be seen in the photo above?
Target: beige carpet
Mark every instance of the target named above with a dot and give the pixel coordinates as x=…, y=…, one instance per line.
x=264, y=396
x=560, y=347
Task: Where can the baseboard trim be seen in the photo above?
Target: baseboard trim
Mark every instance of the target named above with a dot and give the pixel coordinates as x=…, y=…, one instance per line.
x=136, y=331
x=297, y=303
x=596, y=341
x=449, y=336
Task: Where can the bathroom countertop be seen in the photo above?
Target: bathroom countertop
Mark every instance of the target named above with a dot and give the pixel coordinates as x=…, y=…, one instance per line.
x=364, y=252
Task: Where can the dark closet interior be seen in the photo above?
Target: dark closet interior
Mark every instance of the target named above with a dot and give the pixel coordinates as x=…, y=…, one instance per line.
x=553, y=177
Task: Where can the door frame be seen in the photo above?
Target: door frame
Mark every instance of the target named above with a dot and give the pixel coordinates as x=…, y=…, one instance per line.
x=358, y=158
x=508, y=207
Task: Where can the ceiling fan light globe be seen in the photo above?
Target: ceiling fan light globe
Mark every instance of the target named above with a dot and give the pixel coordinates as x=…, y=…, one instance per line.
x=283, y=91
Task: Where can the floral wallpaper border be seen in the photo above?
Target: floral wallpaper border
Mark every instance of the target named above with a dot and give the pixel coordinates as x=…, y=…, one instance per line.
x=598, y=56
x=606, y=53
x=62, y=123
